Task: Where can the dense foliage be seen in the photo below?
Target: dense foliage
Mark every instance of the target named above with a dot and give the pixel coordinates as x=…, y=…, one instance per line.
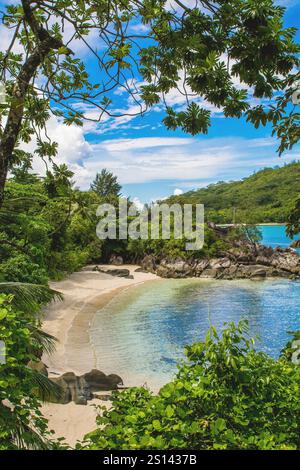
x=220, y=52
x=269, y=195
x=223, y=53
x=48, y=228
x=21, y=388
x=226, y=396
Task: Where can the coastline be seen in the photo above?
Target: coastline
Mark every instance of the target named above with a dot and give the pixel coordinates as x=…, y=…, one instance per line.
x=269, y=224
x=85, y=293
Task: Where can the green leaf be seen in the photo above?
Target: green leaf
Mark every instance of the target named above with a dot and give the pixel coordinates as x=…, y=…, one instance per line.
x=169, y=411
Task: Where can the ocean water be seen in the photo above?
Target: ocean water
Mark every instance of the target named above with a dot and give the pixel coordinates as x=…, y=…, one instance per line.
x=141, y=333
x=274, y=235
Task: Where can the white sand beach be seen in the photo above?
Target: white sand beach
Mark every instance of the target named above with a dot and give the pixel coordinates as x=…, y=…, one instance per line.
x=85, y=293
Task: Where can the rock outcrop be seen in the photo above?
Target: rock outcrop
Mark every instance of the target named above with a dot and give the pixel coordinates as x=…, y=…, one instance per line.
x=118, y=272
x=97, y=381
x=174, y=269
x=80, y=389
x=254, y=262
x=116, y=260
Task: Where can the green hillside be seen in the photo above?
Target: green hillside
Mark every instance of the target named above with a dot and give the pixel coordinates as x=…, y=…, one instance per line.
x=266, y=196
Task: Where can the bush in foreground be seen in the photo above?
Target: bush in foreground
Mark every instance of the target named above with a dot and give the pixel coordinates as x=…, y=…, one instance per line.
x=226, y=396
x=22, y=389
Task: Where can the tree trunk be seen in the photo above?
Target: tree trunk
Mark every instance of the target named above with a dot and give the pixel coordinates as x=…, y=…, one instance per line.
x=8, y=142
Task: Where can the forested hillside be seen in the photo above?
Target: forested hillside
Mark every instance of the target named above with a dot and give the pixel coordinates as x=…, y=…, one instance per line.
x=48, y=227
x=266, y=196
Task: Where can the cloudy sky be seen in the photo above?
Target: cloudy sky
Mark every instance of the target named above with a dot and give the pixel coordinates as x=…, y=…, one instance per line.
x=152, y=162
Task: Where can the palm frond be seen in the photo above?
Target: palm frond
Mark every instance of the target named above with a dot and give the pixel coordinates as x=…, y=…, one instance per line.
x=46, y=389
x=20, y=434
x=28, y=296
x=44, y=340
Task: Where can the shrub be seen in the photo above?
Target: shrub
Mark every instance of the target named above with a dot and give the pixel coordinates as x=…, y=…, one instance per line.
x=225, y=396
x=21, y=422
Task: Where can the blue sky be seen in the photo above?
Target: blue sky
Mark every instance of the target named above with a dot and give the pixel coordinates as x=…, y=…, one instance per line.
x=152, y=162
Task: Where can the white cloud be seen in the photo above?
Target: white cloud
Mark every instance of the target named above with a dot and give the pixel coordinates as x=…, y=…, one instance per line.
x=6, y=38
x=138, y=204
x=122, y=145
x=177, y=192
x=182, y=160
x=140, y=28
x=184, y=163
x=73, y=149
x=98, y=123
x=173, y=5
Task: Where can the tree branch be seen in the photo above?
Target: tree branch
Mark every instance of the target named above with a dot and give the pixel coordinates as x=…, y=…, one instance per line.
x=45, y=44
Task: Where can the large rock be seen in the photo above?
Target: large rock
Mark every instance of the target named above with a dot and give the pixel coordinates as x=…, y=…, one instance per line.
x=73, y=389
x=263, y=260
x=282, y=274
x=246, y=259
x=117, y=272
x=65, y=393
x=80, y=389
x=209, y=273
x=97, y=381
x=215, y=268
x=200, y=266
x=148, y=264
x=220, y=263
x=174, y=269
x=252, y=271
x=243, y=261
x=140, y=270
x=286, y=260
x=230, y=273
x=116, y=260
x=259, y=272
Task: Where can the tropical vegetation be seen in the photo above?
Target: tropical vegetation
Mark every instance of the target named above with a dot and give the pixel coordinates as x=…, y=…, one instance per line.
x=22, y=388
x=226, y=395
x=220, y=52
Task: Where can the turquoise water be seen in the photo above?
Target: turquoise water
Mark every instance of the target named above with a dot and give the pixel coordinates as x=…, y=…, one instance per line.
x=274, y=235
x=140, y=335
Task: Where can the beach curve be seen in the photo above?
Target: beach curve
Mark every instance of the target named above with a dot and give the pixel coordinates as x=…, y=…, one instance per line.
x=85, y=293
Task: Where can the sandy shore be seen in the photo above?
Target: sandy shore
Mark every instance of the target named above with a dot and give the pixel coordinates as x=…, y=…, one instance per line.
x=85, y=293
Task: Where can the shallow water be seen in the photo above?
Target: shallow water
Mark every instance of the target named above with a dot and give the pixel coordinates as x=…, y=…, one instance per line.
x=141, y=333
